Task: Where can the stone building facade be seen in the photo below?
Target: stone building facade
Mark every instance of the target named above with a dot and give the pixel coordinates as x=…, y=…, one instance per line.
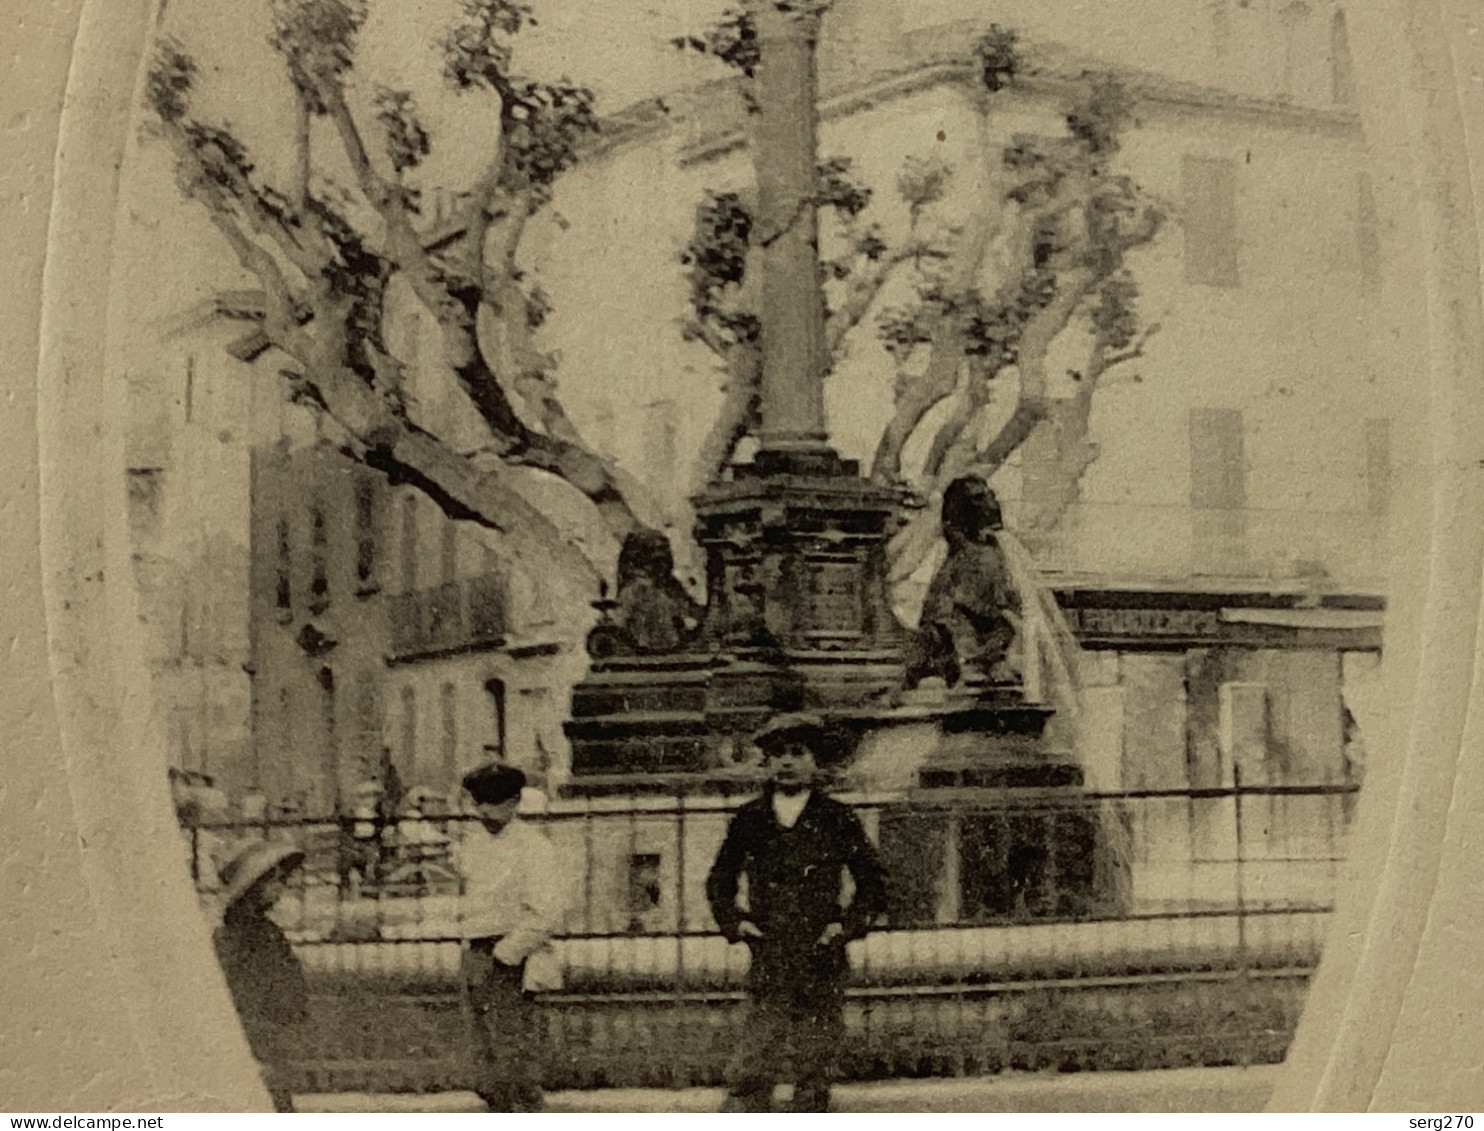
x=385, y=635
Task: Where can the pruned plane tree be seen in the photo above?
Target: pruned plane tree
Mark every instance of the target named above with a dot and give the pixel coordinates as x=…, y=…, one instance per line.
x=1043, y=254
x=326, y=254
x=1056, y=224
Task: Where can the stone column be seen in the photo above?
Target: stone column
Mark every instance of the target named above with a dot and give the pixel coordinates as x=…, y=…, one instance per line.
x=792, y=303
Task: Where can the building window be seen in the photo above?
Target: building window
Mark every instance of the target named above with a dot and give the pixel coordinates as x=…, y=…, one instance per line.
x=1221, y=28
x=319, y=583
x=285, y=580
x=365, y=492
x=144, y=496
x=1218, y=490
x=1292, y=17
x=1368, y=230
x=409, y=543
x=486, y=600
x=1217, y=462
x=448, y=552
x=644, y=891
x=409, y=731
x=367, y=724
x=1342, y=75
x=448, y=705
x=1210, y=217
x=278, y=777
x=1378, y=466
x=327, y=794
x=496, y=748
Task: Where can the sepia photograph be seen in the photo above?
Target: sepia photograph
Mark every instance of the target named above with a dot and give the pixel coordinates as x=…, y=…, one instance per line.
x=752, y=555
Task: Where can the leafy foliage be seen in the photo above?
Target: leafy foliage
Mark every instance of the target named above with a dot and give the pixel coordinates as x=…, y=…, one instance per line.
x=923, y=181
x=546, y=123
x=538, y=307
x=1071, y=222
x=998, y=57
x=1101, y=116
x=172, y=74
x=732, y=39
x=477, y=50
x=1114, y=317
x=804, y=7
x=902, y=329
x=838, y=191
x=222, y=159
x=355, y=271
x=317, y=39
x=717, y=258
x=722, y=237
x=869, y=245
x=407, y=142
x=324, y=257
x=1041, y=163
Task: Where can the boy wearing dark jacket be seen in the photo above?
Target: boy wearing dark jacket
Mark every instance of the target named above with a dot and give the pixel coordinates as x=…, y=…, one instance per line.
x=795, y=847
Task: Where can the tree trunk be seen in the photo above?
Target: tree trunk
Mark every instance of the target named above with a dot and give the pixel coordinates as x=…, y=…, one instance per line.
x=737, y=414
x=1055, y=459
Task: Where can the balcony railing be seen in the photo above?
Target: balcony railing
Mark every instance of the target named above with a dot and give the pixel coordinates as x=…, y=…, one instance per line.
x=452, y=617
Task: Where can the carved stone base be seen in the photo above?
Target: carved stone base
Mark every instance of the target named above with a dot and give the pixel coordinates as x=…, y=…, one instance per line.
x=797, y=616
x=796, y=556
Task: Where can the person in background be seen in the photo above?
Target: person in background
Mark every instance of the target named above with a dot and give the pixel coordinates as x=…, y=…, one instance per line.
x=264, y=976
x=360, y=866
x=517, y=895
x=198, y=805
x=795, y=846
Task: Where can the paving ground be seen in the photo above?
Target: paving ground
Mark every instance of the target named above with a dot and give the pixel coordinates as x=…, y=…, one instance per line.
x=1172, y=1090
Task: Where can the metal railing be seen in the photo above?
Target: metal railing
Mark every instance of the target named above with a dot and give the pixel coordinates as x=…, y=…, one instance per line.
x=1035, y=930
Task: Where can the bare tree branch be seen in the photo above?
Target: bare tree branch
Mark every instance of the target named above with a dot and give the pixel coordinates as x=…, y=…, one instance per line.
x=916, y=397
x=1042, y=329
x=862, y=295
x=403, y=244
x=970, y=403
x=735, y=418
x=697, y=330
x=280, y=322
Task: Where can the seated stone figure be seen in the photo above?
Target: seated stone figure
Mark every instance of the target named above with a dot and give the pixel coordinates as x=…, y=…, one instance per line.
x=972, y=607
x=653, y=613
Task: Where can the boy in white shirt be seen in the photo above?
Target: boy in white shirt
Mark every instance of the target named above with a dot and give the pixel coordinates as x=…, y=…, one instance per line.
x=514, y=901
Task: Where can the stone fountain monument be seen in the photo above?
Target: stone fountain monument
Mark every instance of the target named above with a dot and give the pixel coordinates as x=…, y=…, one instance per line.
x=798, y=614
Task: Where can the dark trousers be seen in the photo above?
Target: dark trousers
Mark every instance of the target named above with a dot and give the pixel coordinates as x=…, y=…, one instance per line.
x=786, y=1042
x=506, y=1033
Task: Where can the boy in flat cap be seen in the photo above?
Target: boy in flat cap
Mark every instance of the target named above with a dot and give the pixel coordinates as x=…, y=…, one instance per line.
x=516, y=896
x=795, y=847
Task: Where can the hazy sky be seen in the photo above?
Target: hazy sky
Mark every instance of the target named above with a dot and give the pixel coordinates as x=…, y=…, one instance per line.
x=171, y=257
x=620, y=48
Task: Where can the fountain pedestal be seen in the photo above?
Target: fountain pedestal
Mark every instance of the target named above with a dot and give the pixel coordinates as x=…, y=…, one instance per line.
x=996, y=825
x=798, y=612
x=797, y=615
